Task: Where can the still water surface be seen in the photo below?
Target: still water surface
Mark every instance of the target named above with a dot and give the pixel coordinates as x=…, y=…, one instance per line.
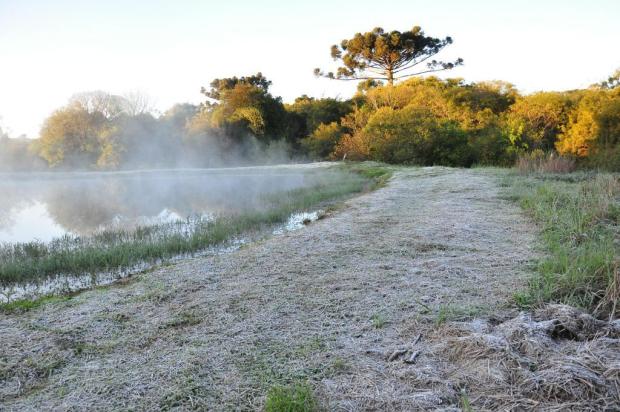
x=48, y=205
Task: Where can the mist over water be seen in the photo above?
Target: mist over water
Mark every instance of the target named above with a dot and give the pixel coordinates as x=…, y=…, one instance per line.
x=44, y=206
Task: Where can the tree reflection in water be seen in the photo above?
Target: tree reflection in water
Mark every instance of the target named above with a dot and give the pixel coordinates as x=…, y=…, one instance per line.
x=82, y=203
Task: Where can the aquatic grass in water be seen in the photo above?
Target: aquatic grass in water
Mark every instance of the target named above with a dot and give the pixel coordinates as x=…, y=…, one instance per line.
x=115, y=250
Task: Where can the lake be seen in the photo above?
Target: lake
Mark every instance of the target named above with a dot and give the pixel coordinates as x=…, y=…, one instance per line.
x=45, y=206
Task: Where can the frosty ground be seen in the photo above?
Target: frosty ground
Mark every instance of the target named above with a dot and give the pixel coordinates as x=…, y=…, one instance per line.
x=399, y=300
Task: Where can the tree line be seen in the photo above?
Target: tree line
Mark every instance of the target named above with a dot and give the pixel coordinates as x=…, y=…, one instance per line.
x=395, y=117
x=450, y=122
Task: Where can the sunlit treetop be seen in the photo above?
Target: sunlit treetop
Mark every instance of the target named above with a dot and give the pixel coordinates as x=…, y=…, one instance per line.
x=229, y=83
x=381, y=55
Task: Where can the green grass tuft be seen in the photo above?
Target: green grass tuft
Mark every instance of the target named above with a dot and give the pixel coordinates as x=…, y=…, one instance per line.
x=25, y=305
x=465, y=402
x=379, y=175
x=378, y=320
x=185, y=318
x=296, y=398
x=451, y=312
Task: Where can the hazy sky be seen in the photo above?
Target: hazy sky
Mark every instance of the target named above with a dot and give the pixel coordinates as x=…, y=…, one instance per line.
x=169, y=49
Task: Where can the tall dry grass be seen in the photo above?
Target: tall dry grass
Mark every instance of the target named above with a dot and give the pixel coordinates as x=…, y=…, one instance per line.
x=540, y=162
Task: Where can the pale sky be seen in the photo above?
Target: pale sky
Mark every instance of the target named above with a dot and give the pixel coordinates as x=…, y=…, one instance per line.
x=50, y=50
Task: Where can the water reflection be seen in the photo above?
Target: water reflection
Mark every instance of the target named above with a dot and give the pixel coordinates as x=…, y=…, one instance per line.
x=45, y=206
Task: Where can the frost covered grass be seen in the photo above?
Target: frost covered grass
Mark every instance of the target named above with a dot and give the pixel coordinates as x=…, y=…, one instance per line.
x=118, y=249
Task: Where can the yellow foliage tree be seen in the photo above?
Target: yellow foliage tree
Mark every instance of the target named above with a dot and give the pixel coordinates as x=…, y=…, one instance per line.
x=535, y=121
x=71, y=136
x=593, y=125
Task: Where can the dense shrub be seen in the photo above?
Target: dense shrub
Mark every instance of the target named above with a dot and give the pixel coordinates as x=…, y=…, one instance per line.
x=317, y=112
x=490, y=146
x=321, y=143
x=353, y=144
x=412, y=135
x=604, y=158
x=430, y=121
x=535, y=121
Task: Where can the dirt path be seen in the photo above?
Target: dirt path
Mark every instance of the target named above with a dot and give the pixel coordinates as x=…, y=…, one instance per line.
x=326, y=304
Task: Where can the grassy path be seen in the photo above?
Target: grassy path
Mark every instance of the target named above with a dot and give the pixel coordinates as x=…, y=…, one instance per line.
x=322, y=308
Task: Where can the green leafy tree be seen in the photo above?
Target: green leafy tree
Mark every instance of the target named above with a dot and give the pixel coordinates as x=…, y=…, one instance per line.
x=242, y=106
x=354, y=144
x=488, y=140
x=365, y=85
x=321, y=143
x=180, y=115
x=218, y=86
x=319, y=111
x=495, y=95
x=381, y=55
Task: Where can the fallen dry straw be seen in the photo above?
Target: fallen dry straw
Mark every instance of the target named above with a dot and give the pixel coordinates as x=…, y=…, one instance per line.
x=558, y=358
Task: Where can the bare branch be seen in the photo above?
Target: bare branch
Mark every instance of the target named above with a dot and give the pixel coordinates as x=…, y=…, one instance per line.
x=425, y=71
x=356, y=78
